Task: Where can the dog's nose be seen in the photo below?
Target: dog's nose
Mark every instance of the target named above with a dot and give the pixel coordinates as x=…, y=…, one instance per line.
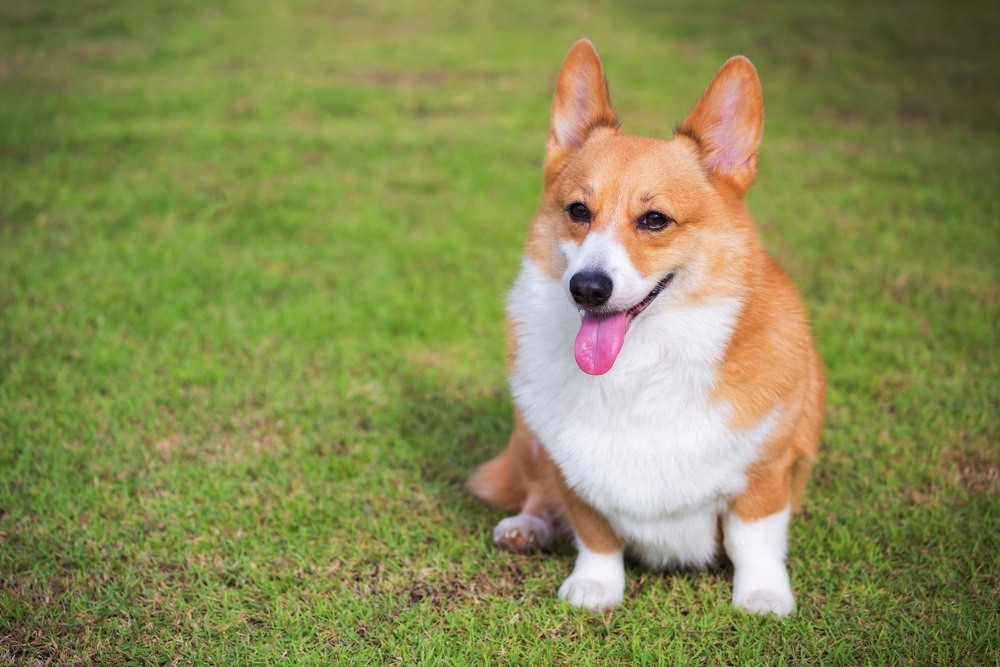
x=590, y=288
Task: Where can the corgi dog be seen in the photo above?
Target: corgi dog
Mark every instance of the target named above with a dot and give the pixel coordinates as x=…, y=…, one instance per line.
x=669, y=395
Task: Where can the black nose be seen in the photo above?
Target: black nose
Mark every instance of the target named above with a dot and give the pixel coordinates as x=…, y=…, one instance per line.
x=590, y=288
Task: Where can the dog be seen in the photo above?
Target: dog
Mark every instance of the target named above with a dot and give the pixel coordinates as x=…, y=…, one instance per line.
x=668, y=392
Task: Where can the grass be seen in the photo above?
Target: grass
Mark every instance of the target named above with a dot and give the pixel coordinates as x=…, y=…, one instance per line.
x=253, y=257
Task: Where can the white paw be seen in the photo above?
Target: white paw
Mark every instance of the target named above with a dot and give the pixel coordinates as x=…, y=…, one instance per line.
x=522, y=533
x=779, y=603
x=591, y=594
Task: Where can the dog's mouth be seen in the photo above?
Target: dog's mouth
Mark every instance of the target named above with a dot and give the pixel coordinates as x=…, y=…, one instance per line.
x=641, y=306
x=602, y=335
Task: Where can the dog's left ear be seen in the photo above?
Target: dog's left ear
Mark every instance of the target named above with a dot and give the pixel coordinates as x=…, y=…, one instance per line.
x=581, y=105
x=728, y=122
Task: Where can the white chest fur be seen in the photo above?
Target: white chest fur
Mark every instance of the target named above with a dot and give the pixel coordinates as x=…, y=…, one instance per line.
x=645, y=444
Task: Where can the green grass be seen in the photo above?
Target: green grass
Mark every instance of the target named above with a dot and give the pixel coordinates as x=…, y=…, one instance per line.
x=253, y=258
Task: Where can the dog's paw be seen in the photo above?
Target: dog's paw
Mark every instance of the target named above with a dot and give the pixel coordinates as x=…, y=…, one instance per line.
x=522, y=533
x=591, y=593
x=779, y=603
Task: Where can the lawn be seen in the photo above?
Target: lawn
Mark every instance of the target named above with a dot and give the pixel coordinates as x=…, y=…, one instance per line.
x=253, y=258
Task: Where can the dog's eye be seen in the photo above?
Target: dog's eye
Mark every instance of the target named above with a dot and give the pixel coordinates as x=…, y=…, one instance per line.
x=654, y=221
x=578, y=212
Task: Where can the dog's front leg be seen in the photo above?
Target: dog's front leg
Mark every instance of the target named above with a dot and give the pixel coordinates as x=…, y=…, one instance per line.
x=598, y=578
x=757, y=549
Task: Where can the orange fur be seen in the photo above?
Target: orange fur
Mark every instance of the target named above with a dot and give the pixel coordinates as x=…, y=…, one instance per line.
x=590, y=526
x=522, y=478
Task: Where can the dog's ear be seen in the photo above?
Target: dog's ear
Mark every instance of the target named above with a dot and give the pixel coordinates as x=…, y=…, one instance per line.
x=580, y=106
x=727, y=123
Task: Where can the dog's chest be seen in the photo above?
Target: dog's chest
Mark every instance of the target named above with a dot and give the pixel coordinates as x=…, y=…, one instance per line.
x=645, y=442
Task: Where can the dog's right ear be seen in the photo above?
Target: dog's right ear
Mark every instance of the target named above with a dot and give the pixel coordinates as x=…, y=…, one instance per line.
x=580, y=106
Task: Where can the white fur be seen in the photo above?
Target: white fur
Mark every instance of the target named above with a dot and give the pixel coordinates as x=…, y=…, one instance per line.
x=604, y=252
x=645, y=444
x=597, y=582
x=757, y=550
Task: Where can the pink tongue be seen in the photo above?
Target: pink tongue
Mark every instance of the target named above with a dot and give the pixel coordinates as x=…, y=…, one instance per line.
x=599, y=342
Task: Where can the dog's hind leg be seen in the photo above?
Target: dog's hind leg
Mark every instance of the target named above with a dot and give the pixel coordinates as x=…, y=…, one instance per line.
x=522, y=478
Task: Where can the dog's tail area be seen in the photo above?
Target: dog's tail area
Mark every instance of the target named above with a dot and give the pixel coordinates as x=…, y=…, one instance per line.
x=497, y=482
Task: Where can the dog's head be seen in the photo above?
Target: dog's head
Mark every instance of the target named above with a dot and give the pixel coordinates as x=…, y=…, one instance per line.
x=629, y=223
